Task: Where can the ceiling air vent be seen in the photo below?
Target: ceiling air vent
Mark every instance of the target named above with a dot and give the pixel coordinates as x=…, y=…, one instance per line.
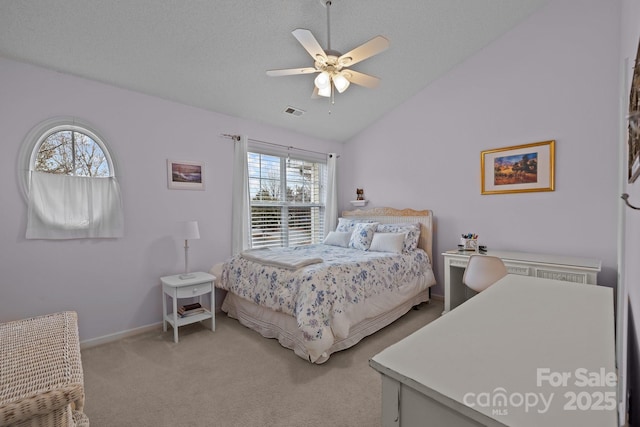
x=293, y=111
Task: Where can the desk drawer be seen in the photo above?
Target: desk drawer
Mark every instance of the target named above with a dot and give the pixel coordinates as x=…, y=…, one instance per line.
x=194, y=290
x=522, y=270
x=565, y=276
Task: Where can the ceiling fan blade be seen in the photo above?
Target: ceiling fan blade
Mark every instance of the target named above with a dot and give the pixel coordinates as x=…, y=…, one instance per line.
x=364, y=51
x=361, y=79
x=291, y=71
x=315, y=95
x=309, y=42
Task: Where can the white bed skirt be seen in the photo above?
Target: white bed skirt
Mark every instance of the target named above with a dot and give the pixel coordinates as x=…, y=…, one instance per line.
x=271, y=324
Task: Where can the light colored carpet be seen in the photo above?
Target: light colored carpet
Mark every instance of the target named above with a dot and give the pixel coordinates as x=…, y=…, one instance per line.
x=235, y=377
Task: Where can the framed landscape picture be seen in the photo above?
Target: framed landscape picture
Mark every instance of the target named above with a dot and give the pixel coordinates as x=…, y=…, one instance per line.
x=518, y=169
x=183, y=175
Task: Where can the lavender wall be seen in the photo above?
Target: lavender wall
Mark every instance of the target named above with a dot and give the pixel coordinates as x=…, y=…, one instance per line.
x=555, y=76
x=114, y=284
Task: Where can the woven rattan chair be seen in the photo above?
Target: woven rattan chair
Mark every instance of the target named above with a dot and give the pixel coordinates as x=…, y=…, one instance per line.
x=41, y=379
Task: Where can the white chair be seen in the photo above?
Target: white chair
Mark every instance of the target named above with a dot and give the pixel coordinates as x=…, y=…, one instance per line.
x=483, y=271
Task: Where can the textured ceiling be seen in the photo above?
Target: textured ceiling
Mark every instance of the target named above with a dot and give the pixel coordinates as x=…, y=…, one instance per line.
x=213, y=54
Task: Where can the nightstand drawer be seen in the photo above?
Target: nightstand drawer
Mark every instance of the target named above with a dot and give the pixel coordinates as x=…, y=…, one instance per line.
x=194, y=290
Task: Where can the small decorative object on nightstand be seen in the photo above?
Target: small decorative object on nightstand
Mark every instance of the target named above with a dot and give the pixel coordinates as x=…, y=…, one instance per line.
x=176, y=287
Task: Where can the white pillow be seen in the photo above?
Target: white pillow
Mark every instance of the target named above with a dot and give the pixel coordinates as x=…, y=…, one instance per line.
x=388, y=242
x=412, y=233
x=338, y=238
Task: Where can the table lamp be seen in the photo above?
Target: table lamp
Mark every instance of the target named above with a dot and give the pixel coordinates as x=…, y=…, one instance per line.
x=188, y=231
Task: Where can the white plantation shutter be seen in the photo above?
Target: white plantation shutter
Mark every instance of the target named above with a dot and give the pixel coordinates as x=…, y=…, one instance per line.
x=287, y=200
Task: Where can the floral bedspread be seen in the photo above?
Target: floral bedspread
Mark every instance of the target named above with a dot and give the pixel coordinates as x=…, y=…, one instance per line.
x=321, y=296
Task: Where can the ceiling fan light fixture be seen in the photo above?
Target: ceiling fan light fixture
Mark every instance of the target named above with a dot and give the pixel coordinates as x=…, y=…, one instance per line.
x=323, y=80
x=340, y=82
x=325, y=91
x=332, y=65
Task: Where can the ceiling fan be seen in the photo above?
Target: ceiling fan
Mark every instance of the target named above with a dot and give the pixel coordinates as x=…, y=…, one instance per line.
x=332, y=65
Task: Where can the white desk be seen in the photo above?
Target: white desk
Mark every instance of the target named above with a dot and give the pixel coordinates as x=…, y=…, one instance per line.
x=495, y=343
x=565, y=268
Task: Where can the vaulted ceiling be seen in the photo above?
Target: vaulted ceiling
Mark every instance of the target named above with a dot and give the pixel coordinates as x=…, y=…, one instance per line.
x=213, y=54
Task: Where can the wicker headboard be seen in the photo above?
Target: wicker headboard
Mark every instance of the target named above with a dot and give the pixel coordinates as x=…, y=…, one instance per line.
x=394, y=216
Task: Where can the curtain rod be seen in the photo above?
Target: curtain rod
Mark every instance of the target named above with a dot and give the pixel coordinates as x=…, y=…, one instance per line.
x=236, y=138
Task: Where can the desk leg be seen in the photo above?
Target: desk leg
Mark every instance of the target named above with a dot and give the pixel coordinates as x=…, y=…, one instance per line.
x=447, y=286
x=457, y=293
x=390, y=402
x=454, y=289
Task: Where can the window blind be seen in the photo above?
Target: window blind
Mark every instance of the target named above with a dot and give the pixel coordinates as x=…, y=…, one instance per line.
x=287, y=200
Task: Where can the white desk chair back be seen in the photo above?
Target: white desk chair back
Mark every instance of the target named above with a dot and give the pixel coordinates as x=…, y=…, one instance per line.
x=483, y=271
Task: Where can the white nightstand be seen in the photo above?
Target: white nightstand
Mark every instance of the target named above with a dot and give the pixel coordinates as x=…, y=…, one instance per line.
x=197, y=286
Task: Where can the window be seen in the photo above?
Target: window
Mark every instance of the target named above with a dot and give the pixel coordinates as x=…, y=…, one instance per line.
x=71, y=152
x=287, y=200
x=69, y=183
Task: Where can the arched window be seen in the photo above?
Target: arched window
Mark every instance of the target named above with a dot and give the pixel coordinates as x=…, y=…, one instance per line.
x=71, y=151
x=70, y=183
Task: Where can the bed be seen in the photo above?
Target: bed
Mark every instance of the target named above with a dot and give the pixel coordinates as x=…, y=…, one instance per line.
x=323, y=298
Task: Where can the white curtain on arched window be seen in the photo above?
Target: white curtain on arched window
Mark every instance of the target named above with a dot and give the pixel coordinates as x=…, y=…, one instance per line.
x=74, y=207
x=240, y=210
x=331, y=204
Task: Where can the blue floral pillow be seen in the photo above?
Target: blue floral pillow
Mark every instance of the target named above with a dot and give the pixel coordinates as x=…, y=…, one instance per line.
x=345, y=224
x=412, y=232
x=362, y=235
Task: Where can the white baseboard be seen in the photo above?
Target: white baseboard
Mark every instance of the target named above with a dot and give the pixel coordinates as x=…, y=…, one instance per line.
x=118, y=335
x=125, y=334
x=437, y=297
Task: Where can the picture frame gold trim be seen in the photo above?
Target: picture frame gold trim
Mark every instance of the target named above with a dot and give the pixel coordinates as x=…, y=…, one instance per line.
x=495, y=181
x=185, y=175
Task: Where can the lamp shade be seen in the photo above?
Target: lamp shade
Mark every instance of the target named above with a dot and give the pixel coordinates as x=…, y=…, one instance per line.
x=189, y=230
